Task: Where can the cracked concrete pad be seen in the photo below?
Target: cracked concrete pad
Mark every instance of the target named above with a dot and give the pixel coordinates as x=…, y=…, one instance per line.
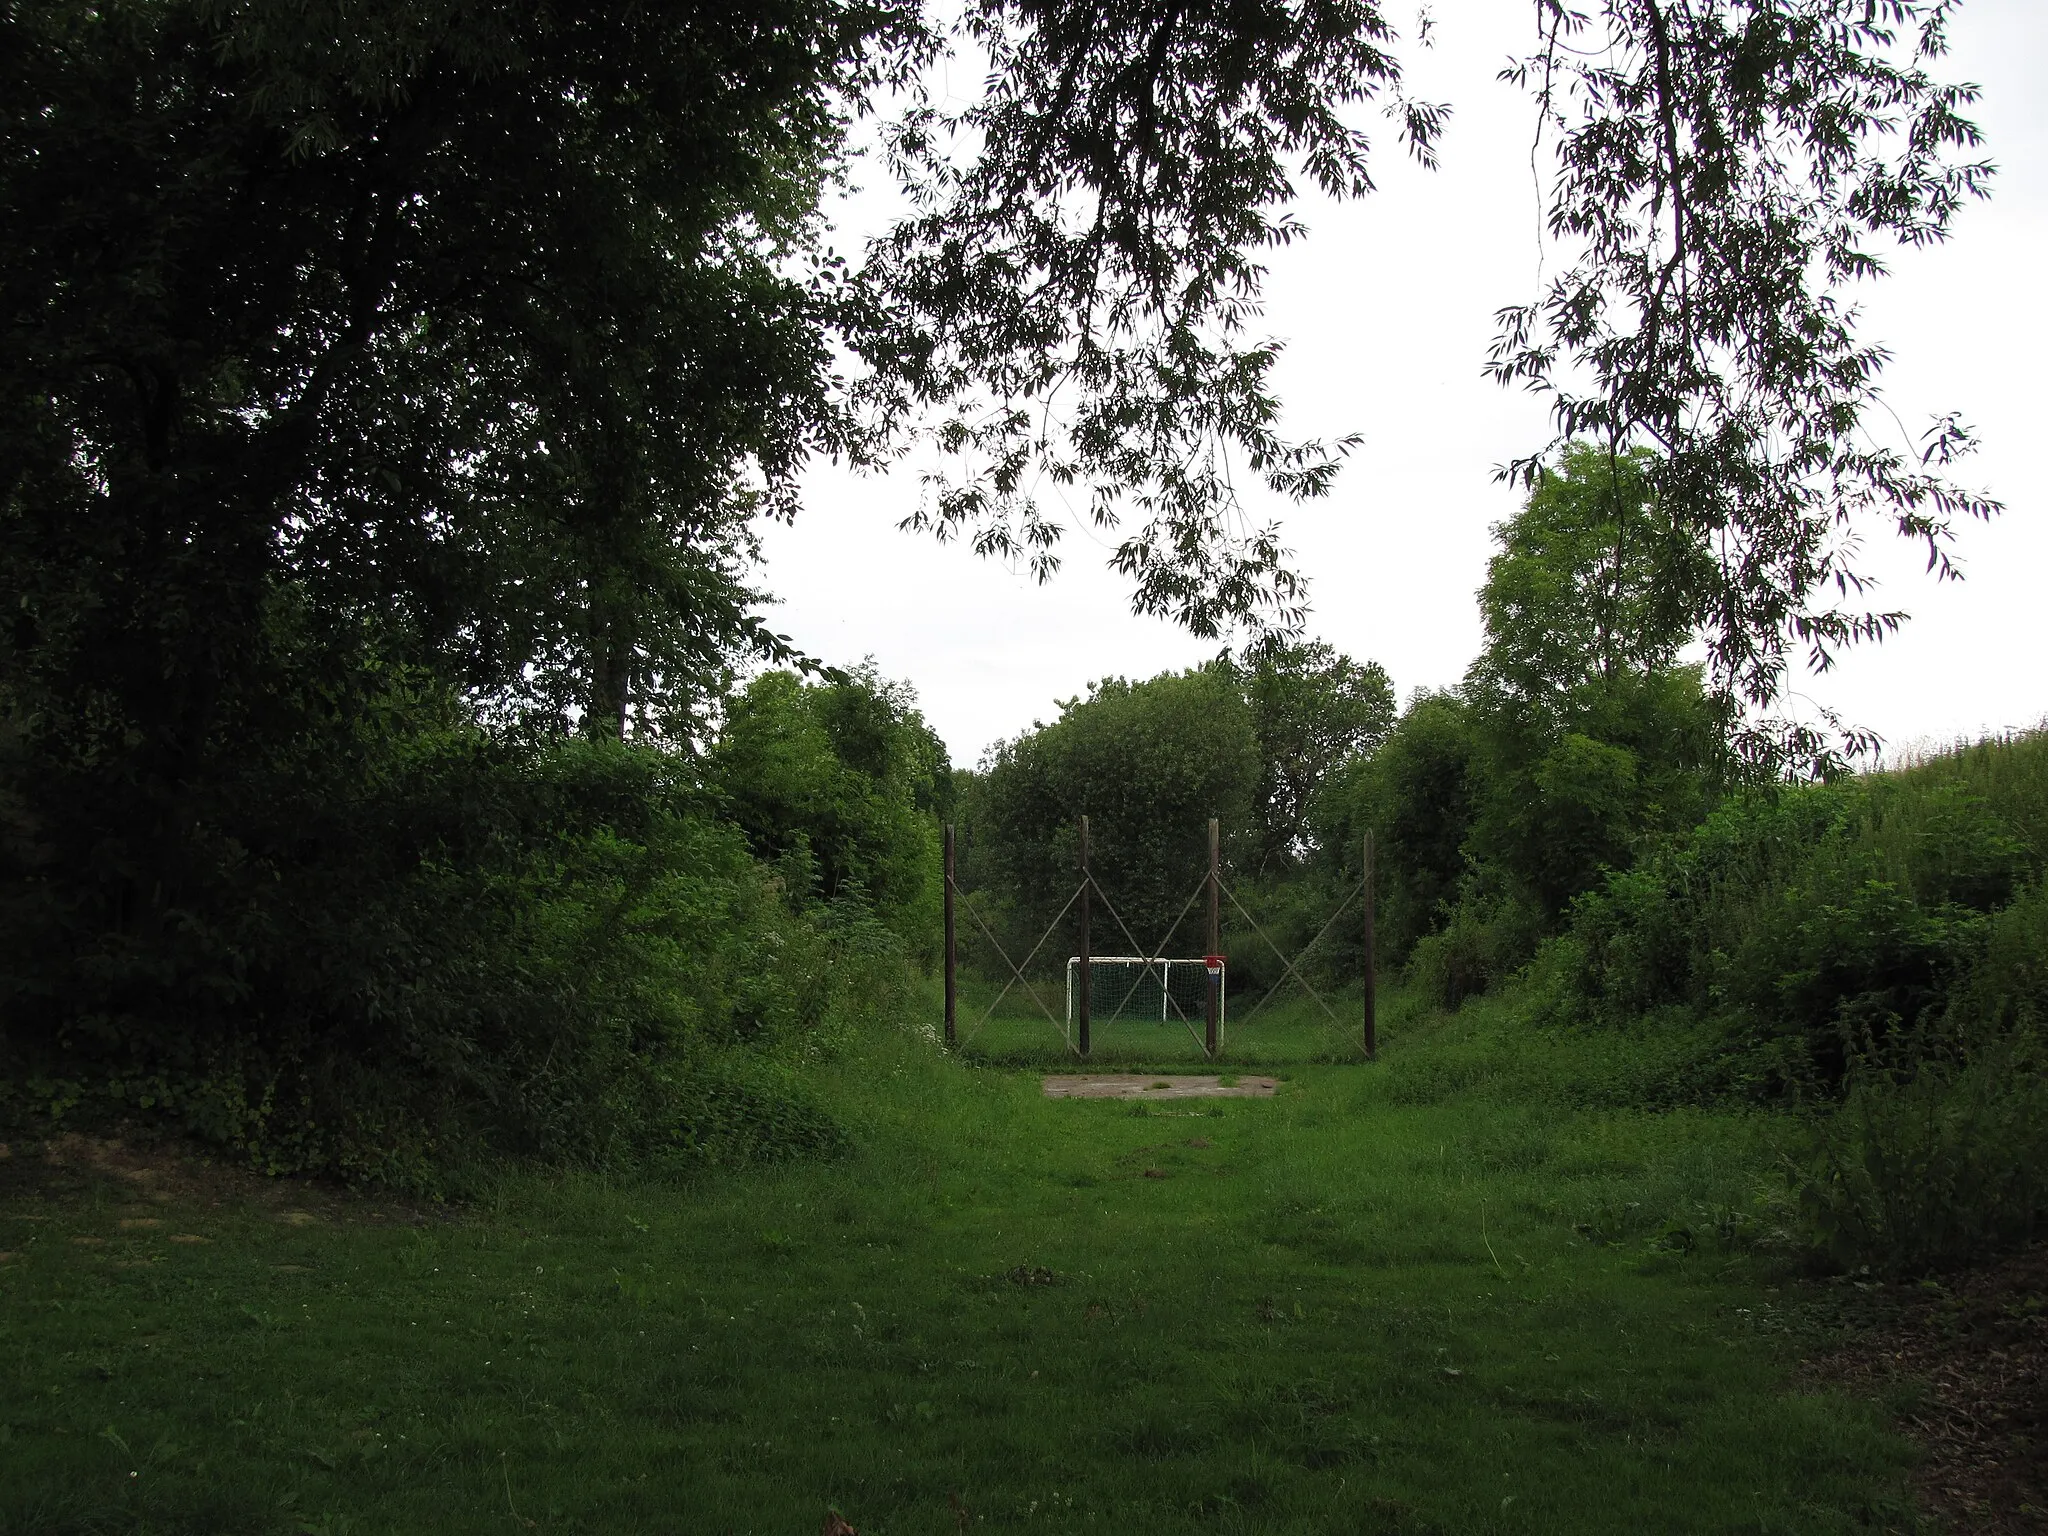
x=1152, y=1085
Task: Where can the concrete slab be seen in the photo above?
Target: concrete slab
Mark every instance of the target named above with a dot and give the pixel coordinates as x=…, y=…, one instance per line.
x=1152, y=1085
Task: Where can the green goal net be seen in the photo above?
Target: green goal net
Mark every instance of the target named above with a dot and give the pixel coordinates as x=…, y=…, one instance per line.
x=1143, y=990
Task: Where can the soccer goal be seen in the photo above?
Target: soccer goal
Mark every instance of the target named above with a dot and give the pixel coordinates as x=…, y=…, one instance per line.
x=1141, y=989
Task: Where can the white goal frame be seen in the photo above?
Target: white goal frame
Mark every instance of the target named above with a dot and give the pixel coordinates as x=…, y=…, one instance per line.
x=1166, y=968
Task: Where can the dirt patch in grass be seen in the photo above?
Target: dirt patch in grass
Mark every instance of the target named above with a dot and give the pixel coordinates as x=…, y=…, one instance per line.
x=1976, y=1349
x=1145, y=1085
x=141, y=1172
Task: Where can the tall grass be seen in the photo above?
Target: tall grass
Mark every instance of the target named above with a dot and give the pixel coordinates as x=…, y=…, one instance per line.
x=1935, y=1166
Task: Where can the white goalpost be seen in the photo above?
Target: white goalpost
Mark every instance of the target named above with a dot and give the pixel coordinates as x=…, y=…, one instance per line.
x=1150, y=989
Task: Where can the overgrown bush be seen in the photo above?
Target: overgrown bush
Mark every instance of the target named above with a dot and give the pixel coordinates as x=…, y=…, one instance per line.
x=841, y=785
x=1877, y=948
x=1480, y=945
x=1934, y=1165
x=481, y=950
x=1812, y=923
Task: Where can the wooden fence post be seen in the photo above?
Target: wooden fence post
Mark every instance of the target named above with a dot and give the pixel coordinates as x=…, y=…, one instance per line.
x=1081, y=969
x=1371, y=966
x=1214, y=991
x=952, y=995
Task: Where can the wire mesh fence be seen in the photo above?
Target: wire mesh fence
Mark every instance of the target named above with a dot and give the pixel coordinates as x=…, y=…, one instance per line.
x=1149, y=1003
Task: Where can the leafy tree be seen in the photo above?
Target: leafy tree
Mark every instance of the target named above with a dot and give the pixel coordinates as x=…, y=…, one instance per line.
x=1565, y=801
x=473, y=327
x=1312, y=709
x=363, y=380
x=1083, y=292
x=1594, y=578
x=840, y=784
x=500, y=322
x=1079, y=294
x=1148, y=763
x=1728, y=172
x=1417, y=793
x=1248, y=741
x=1576, y=738
x=1594, y=736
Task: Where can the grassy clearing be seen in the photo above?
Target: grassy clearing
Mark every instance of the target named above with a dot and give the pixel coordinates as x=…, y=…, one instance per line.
x=1427, y=1296
x=1292, y=1030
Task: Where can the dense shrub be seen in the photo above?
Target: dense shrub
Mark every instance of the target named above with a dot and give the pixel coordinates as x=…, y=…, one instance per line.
x=2007, y=987
x=445, y=949
x=1569, y=789
x=1937, y=1164
x=1811, y=924
x=841, y=785
x=1490, y=817
x=1310, y=916
x=1416, y=794
x=1480, y=945
x=1938, y=1155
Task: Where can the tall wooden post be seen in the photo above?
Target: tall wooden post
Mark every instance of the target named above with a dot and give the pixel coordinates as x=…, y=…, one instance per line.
x=1081, y=969
x=1371, y=964
x=1213, y=1034
x=952, y=993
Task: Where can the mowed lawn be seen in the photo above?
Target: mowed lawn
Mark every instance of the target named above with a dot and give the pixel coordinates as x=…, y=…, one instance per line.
x=1395, y=1298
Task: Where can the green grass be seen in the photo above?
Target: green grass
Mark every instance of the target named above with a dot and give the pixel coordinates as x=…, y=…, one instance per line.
x=1292, y=1030
x=1426, y=1296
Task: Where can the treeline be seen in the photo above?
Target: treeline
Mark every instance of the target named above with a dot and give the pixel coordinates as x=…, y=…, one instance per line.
x=1250, y=741
x=1578, y=739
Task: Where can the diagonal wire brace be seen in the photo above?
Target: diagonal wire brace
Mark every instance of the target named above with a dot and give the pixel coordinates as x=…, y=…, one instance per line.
x=1284, y=961
x=1321, y=933
x=1016, y=971
x=1147, y=960
x=1155, y=954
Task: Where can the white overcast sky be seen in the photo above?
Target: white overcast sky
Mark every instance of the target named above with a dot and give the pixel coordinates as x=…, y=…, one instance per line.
x=1387, y=312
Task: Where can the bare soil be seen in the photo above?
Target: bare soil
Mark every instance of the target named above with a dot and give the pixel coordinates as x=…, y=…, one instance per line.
x=1140, y=1085
x=1968, y=1357
x=140, y=1172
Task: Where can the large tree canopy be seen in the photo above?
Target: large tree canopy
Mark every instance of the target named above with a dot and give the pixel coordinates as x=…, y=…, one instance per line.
x=496, y=328
x=1078, y=283
x=1084, y=276
x=1728, y=171
x=476, y=326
